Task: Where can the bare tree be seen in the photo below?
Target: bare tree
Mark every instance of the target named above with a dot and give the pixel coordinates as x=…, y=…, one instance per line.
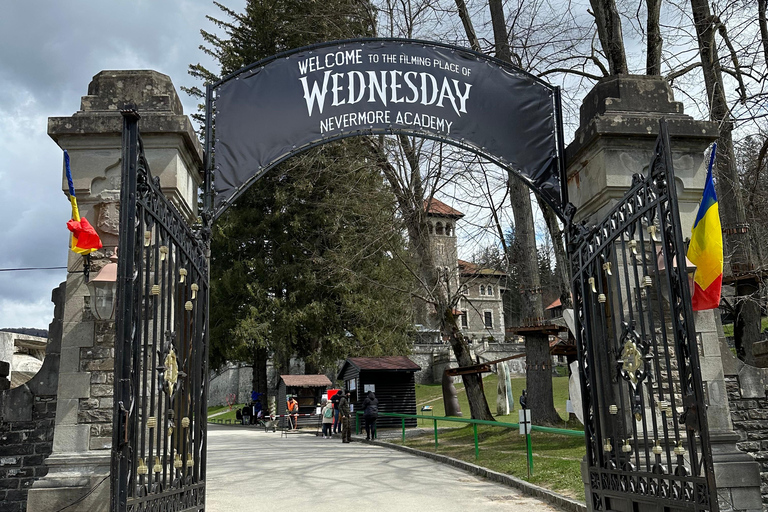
x=609, y=29
x=735, y=228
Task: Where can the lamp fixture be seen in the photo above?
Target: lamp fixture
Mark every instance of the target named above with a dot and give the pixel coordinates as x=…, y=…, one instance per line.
x=103, y=290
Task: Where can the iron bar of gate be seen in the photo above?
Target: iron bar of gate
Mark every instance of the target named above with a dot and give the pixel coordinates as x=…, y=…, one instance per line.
x=125, y=312
x=160, y=351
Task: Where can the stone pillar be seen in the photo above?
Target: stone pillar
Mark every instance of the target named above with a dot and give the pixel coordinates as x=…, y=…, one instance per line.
x=619, y=122
x=92, y=136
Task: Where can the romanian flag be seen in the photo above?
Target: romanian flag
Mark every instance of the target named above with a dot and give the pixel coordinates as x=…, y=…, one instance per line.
x=706, y=247
x=85, y=240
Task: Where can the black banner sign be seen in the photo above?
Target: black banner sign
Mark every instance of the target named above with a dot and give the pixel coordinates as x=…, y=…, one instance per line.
x=276, y=108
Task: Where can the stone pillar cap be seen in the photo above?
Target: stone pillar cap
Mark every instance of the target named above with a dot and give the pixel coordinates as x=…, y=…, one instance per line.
x=146, y=90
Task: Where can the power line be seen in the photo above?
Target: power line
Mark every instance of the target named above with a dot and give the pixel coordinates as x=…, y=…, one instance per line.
x=30, y=268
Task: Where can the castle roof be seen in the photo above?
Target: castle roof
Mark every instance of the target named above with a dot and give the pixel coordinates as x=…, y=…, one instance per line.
x=471, y=269
x=440, y=209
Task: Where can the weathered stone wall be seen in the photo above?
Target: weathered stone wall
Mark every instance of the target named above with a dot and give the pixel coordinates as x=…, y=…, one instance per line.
x=99, y=362
x=235, y=379
x=750, y=421
x=747, y=388
x=27, y=418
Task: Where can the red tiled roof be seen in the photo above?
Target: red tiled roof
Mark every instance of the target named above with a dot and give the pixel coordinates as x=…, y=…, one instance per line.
x=471, y=269
x=435, y=207
x=384, y=363
x=306, y=381
x=555, y=304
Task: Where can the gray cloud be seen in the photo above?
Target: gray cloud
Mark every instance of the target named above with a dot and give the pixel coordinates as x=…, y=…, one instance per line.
x=51, y=50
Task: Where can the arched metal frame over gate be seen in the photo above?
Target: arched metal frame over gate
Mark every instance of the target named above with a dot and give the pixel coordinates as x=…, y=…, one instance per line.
x=289, y=103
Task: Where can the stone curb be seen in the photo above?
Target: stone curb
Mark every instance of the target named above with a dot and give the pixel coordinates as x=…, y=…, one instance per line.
x=558, y=500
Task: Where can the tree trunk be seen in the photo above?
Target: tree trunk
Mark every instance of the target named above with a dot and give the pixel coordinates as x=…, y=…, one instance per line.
x=537, y=356
x=473, y=383
x=611, y=39
x=259, y=380
x=538, y=376
x=733, y=215
x=525, y=231
x=653, y=55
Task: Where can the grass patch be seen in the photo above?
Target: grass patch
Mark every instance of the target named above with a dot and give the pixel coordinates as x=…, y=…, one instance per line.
x=432, y=394
x=229, y=415
x=728, y=328
x=556, y=458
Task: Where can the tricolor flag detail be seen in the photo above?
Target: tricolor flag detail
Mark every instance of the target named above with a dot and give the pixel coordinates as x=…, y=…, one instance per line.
x=706, y=247
x=85, y=240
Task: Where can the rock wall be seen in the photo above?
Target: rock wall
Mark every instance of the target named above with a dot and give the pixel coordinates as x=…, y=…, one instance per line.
x=747, y=388
x=99, y=362
x=27, y=418
x=235, y=379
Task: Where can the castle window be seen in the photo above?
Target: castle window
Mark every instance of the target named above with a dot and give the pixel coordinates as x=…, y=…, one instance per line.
x=448, y=228
x=490, y=290
x=464, y=290
x=482, y=290
x=488, y=317
x=464, y=319
x=439, y=228
x=431, y=228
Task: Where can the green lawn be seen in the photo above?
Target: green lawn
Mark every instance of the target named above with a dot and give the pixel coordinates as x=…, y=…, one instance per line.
x=432, y=394
x=728, y=328
x=556, y=458
x=229, y=415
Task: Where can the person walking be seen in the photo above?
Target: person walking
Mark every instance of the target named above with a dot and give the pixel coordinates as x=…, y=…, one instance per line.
x=370, y=413
x=327, y=418
x=346, y=434
x=336, y=418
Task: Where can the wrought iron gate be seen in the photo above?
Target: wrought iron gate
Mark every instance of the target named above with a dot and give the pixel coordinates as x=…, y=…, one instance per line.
x=643, y=400
x=159, y=426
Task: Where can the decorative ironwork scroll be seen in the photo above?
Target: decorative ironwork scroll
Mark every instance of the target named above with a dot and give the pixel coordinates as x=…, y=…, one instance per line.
x=158, y=450
x=642, y=393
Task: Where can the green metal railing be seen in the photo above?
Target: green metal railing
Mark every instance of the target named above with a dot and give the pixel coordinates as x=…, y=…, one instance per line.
x=474, y=423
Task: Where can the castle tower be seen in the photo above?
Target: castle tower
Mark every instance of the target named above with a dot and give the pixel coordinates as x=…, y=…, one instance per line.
x=441, y=221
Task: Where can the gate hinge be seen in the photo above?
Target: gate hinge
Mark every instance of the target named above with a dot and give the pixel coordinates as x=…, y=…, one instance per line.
x=123, y=425
x=690, y=416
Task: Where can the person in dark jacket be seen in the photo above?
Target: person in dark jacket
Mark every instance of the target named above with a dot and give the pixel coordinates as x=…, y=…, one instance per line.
x=370, y=413
x=346, y=433
x=336, y=418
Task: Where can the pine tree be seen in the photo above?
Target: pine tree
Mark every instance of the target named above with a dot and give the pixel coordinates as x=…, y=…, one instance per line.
x=306, y=263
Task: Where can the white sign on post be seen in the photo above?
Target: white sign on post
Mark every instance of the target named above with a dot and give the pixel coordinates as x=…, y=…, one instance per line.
x=525, y=421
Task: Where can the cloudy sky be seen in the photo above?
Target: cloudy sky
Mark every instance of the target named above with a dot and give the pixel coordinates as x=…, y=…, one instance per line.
x=50, y=52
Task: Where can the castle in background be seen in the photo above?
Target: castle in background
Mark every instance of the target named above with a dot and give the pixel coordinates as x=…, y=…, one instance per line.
x=481, y=306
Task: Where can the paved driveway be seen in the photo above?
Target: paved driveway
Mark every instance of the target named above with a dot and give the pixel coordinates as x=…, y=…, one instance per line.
x=249, y=470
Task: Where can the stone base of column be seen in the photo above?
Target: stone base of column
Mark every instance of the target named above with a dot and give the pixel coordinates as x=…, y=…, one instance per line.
x=737, y=474
x=76, y=481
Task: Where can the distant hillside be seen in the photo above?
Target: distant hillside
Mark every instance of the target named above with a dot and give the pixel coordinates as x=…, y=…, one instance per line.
x=31, y=331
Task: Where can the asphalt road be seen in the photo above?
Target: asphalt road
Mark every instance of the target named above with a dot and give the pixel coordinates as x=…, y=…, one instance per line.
x=249, y=469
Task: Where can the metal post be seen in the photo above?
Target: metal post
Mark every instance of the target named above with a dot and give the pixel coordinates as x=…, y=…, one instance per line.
x=123, y=325
x=529, y=449
x=403, y=421
x=477, y=446
x=435, y=422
